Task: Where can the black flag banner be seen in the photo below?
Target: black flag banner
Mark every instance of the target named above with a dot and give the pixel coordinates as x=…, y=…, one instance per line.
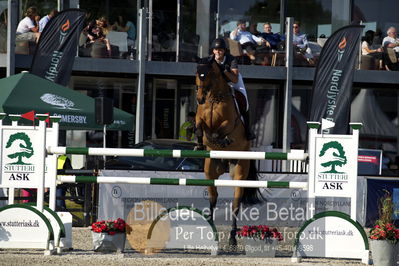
x=333, y=79
x=56, y=50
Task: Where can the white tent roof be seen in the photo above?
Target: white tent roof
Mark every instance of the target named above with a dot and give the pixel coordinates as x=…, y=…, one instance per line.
x=365, y=109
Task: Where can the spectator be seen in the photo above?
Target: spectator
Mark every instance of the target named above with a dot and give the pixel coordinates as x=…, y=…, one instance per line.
x=248, y=41
x=45, y=19
x=253, y=29
x=391, y=41
x=126, y=26
x=97, y=31
x=366, y=46
x=300, y=42
x=274, y=39
x=377, y=40
x=27, y=29
x=187, y=128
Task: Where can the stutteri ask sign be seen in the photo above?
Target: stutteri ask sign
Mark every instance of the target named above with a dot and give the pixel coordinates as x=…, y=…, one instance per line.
x=19, y=157
x=335, y=166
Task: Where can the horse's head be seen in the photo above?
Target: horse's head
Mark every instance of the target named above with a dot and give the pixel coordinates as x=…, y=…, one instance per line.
x=207, y=71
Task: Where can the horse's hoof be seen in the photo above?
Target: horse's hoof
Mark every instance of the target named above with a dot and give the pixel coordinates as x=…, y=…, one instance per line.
x=199, y=147
x=226, y=142
x=233, y=245
x=233, y=248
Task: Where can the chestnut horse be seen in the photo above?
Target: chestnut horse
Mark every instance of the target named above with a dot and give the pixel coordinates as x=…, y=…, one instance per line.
x=220, y=127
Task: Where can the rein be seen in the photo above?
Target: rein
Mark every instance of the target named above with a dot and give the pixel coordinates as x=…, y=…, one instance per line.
x=216, y=99
x=219, y=97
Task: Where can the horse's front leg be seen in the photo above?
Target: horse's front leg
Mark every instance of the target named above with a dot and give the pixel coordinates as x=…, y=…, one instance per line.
x=221, y=134
x=213, y=198
x=235, y=209
x=211, y=173
x=199, y=133
x=240, y=173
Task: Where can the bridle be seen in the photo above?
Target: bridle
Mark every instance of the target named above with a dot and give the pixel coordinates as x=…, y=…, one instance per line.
x=202, y=72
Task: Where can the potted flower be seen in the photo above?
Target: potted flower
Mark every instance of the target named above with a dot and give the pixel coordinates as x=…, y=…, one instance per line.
x=109, y=235
x=384, y=236
x=260, y=240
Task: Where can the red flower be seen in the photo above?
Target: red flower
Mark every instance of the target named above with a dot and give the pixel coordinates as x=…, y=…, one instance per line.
x=261, y=232
x=109, y=226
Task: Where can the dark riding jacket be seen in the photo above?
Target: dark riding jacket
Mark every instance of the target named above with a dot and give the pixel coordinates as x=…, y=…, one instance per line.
x=229, y=60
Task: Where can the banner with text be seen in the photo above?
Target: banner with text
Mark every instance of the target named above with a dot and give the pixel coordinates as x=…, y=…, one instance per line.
x=56, y=50
x=333, y=79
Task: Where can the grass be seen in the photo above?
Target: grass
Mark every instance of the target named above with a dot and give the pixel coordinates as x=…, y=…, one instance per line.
x=76, y=211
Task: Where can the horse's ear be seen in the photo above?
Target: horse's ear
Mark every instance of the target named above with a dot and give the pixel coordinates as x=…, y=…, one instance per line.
x=203, y=60
x=197, y=59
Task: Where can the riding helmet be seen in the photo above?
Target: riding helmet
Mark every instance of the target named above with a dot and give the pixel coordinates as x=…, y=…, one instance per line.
x=219, y=43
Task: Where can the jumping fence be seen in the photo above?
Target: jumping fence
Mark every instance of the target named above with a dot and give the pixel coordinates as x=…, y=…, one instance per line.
x=40, y=150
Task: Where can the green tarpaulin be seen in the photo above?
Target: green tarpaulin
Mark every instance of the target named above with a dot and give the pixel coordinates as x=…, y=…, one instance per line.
x=25, y=92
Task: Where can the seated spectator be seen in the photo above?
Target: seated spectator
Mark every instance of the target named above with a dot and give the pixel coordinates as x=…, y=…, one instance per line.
x=253, y=29
x=391, y=41
x=121, y=24
x=300, y=42
x=274, y=39
x=248, y=41
x=377, y=40
x=3, y=31
x=97, y=32
x=366, y=46
x=43, y=22
x=28, y=29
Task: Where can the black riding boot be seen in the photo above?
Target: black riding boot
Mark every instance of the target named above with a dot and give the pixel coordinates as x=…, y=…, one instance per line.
x=248, y=131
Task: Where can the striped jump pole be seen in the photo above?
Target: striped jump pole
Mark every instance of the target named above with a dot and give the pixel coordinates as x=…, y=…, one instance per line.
x=250, y=155
x=180, y=182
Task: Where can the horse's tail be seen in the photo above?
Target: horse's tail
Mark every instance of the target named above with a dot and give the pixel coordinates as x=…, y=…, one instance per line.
x=252, y=196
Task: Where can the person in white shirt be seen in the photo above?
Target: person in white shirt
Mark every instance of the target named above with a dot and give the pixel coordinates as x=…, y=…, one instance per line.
x=300, y=42
x=248, y=41
x=27, y=29
x=367, y=43
x=391, y=40
x=43, y=22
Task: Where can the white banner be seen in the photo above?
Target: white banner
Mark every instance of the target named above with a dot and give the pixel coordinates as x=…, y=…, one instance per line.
x=20, y=157
x=335, y=166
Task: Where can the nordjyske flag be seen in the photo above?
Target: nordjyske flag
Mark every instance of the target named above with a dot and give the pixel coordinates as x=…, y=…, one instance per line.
x=57, y=46
x=333, y=79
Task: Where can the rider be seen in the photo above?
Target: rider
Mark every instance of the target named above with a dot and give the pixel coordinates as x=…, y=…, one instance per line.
x=229, y=67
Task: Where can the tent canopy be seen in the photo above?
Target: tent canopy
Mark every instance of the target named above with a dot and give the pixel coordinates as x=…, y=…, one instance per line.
x=366, y=109
x=25, y=92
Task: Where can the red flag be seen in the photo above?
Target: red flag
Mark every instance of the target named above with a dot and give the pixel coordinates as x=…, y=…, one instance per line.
x=29, y=115
x=48, y=119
